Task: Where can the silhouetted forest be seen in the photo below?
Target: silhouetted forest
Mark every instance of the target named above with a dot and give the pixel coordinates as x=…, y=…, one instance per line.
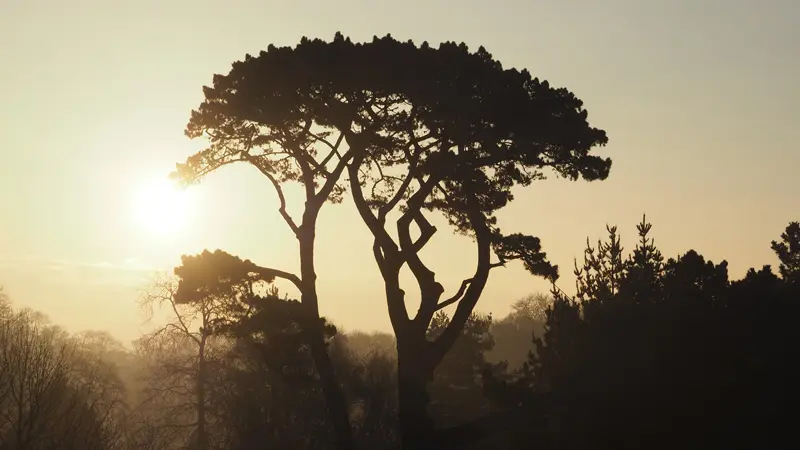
x=649, y=352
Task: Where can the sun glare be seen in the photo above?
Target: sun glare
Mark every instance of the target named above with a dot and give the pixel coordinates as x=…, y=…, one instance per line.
x=161, y=206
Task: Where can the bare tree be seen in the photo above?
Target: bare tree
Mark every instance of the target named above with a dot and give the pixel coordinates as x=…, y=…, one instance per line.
x=177, y=359
x=94, y=376
x=34, y=383
x=204, y=298
x=52, y=395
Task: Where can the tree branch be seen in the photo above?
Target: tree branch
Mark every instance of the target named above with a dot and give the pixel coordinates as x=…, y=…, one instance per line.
x=410, y=249
x=476, y=285
x=379, y=258
x=302, y=159
x=168, y=295
x=414, y=213
x=384, y=210
x=334, y=148
x=282, y=209
x=464, y=284
x=275, y=273
x=384, y=248
x=430, y=289
x=375, y=226
x=426, y=231
x=412, y=166
x=334, y=176
x=455, y=297
x=311, y=161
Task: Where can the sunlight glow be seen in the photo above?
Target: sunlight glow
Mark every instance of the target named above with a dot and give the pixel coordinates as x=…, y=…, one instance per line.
x=161, y=207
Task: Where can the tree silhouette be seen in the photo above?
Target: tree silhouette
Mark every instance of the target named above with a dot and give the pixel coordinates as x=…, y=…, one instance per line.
x=271, y=395
x=267, y=112
x=53, y=394
x=212, y=290
x=416, y=128
x=456, y=391
x=5, y=304
x=652, y=352
x=788, y=251
x=662, y=348
x=513, y=332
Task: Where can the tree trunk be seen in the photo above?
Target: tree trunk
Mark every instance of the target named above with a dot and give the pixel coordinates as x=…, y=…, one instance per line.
x=201, y=441
x=334, y=397
x=414, y=374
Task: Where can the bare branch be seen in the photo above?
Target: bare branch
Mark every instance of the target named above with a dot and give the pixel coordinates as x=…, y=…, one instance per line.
x=426, y=231
x=334, y=148
x=178, y=316
x=304, y=162
x=333, y=178
x=282, y=209
x=382, y=238
x=461, y=290
x=166, y=294
x=385, y=209
x=455, y=297
x=414, y=213
x=384, y=248
x=478, y=282
x=430, y=289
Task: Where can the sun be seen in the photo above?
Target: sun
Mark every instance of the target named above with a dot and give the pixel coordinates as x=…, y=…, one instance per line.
x=161, y=206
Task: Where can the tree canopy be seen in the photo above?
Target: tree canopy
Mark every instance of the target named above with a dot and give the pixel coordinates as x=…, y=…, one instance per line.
x=454, y=123
x=416, y=129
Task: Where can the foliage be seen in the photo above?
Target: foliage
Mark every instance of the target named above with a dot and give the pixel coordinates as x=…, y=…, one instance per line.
x=513, y=332
x=456, y=391
x=654, y=346
x=788, y=251
x=671, y=348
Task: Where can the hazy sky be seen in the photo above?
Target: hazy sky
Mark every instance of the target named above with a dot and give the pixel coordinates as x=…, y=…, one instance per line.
x=699, y=98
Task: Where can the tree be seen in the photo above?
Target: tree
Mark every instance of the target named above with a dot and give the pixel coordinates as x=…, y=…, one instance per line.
x=33, y=383
x=456, y=391
x=372, y=386
x=513, y=332
x=417, y=129
x=5, y=304
x=271, y=389
x=48, y=398
x=247, y=371
x=211, y=292
x=95, y=375
x=788, y=251
x=367, y=343
x=671, y=348
x=258, y=116
x=178, y=376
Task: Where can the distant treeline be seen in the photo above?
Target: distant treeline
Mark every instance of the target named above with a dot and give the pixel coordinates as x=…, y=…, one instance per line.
x=650, y=353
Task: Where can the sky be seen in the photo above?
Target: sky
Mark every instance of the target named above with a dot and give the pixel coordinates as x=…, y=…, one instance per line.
x=698, y=99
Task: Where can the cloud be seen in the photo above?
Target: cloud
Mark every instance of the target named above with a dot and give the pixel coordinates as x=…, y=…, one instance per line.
x=127, y=272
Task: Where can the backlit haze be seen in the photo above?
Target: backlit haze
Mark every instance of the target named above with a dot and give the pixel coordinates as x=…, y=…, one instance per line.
x=699, y=99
